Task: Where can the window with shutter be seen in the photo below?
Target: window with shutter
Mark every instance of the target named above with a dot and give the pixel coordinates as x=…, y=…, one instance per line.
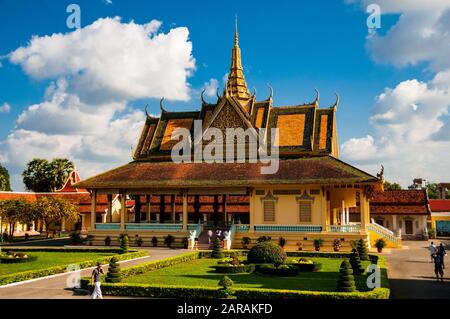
x=269, y=210
x=305, y=211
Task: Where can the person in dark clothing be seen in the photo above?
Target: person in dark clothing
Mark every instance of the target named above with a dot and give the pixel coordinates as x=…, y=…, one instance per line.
x=95, y=278
x=438, y=268
x=442, y=253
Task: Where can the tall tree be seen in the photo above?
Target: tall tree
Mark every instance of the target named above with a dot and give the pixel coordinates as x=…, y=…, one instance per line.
x=44, y=176
x=15, y=211
x=432, y=189
x=4, y=179
x=51, y=209
x=391, y=186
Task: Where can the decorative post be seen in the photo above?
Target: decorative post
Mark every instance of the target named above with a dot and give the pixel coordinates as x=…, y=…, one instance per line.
x=364, y=207
x=110, y=207
x=173, y=206
x=343, y=213
x=93, y=208
x=123, y=209
x=347, y=213
x=185, y=211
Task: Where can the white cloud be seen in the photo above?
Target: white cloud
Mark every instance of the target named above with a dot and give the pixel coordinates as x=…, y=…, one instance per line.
x=410, y=121
x=95, y=71
x=211, y=87
x=113, y=60
x=5, y=108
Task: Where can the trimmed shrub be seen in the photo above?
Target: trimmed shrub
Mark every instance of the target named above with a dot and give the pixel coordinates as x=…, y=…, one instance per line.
x=113, y=274
x=154, y=241
x=281, y=242
x=169, y=240
x=262, y=239
x=185, y=242
x=362, y=249
x=266, y=253
x=225, y=282
x=124, y=244
x=380, y=243
x=282, y=271
x=138, y=241
x=233, y=269
x=346, y=282
x=107, y=241
x=318, y=242
x=355, y=262
x=75, y=238
x=217, y=249
x=305, y=264
x=245, y=242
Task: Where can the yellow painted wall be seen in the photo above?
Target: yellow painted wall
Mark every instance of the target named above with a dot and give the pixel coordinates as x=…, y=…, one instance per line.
x=286, y=209
x=374, y=236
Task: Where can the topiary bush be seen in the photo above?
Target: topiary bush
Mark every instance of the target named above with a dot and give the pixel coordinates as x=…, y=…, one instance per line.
x=362, y=249
x=217, y=249
x=169, y=240
x=245, y=242
x=262, y=239
x=281, y=242
x=355, y=262
x=108, y=241
x=113, y=274
x=282, y=270
x=266, y=252
x=124, y=244
x=154, y=241
x=346, y=282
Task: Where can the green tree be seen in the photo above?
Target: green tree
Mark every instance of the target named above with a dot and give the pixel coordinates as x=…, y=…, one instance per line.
x=217, y=249
x=391, y=186
x=346, y=282
x=51, y=209
x=113, y=274
x=15, y=211
x=355, y=262
x=124, y=243
x=44, y=176
x=4, y=179
x=362, y=249
x=433, y=190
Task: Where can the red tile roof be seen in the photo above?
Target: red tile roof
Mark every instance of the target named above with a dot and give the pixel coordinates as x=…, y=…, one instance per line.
x=400, y=202
x=440, y=205
x=311, y=170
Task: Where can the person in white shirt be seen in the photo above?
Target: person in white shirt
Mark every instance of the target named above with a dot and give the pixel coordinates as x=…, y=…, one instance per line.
x=210, y=234
x=433, y=250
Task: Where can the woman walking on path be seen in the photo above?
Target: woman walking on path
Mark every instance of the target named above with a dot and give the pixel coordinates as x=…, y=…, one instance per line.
x=95, y=277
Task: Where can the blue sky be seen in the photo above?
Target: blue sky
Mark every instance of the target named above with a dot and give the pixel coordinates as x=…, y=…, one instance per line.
x=296, y=46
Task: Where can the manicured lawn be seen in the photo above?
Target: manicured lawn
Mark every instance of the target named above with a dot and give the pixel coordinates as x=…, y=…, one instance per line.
x=49, y=259
x=199, y=273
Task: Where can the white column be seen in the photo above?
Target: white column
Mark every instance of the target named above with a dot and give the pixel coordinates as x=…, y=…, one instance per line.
x=93, y=209
x=348, y=215
x=343, y=213
x=394, y=224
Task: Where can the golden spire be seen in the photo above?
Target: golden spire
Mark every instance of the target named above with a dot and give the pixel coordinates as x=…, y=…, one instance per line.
x=236, y=82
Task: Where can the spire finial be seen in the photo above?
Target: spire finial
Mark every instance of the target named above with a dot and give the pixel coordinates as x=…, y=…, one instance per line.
x=236, y=35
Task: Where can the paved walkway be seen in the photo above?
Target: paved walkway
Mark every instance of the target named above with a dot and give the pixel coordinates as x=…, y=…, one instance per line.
x=56, y=287
x=411, y=273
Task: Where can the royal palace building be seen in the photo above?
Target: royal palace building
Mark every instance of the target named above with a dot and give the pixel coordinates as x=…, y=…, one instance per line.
x=306, y=195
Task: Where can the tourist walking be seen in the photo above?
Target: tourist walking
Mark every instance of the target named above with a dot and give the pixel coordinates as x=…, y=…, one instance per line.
x=95, y=278
x=442, y=253
x=433, y=250
x=210, y=234
x=438, y=268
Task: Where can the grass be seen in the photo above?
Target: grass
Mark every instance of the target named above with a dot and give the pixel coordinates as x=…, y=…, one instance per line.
x=49, y=259
x=199, y=273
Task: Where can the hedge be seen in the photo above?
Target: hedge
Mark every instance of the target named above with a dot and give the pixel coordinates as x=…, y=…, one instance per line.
x=63, y=249
x=282, y=271
x=230, y=269
x=189, y=292
x=260, y=293
x=32, y=274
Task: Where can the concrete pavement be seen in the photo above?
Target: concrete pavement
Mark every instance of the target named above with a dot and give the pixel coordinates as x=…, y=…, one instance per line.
x=55, y=287
x=411, y=273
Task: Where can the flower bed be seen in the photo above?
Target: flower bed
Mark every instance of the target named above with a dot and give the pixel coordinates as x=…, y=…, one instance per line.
x=233, y=269
x=282, y=270
x=15, y=258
